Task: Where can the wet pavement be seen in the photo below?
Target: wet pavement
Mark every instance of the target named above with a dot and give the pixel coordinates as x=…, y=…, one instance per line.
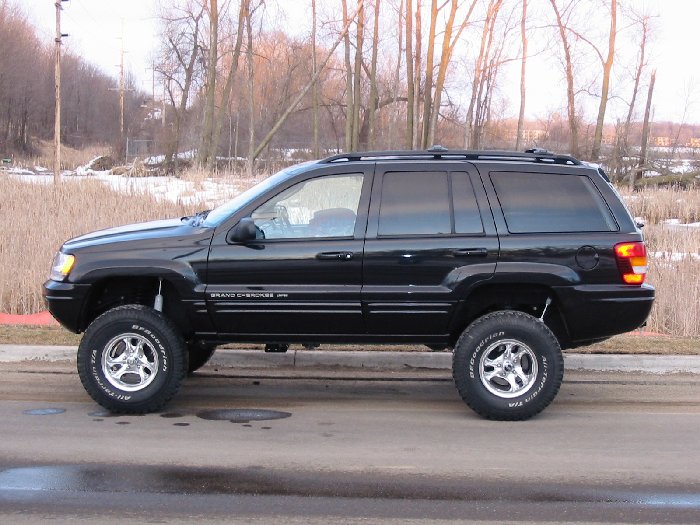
x=611, y=448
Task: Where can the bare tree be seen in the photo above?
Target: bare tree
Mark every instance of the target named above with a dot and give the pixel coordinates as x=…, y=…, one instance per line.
x=448, y=45
x=570, y=92
x=251, y=98
x=415, y=140
x=302, y=93
x=314, y=102
x=471, y=139
x=349, y=97
x=644, y=22
x=397, y=74
x=373, y=95
x=210, y=91
x=645, y=134
x=357, y=78
x=523, y=67
x=605, y=88
x=428, y=86
x=181, y=50
x=410, y=93
x=210, y=155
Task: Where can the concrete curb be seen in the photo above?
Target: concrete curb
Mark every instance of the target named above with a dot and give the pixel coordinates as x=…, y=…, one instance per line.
x=389, y=361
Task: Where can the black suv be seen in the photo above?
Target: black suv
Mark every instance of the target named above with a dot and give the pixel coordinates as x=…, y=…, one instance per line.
x=505, y=257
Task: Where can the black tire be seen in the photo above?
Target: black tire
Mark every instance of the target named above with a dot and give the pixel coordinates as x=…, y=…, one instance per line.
x=507, y=366
x=132, y=360
x=199, y=354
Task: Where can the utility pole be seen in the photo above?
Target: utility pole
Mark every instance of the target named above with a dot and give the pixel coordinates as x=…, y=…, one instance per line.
x=57, y=86
x=122, y=88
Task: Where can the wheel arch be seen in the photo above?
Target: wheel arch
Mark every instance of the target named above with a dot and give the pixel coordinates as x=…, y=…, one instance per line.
x=111, y=292
x=530, y=298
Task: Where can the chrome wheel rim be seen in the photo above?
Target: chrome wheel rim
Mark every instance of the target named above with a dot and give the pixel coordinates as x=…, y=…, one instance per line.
x=508, y=368
x=130, y=362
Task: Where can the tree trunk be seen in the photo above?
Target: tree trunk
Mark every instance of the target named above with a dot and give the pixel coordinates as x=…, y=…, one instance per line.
x=397, y=79
x=523, y=65
x=448, y=45
x=357, y=78
x=314, y=96
x=243, y=13
x=428, y=86
x=637, y=80
x=210, y=95
x=645, y=134
x=607, y=68
x=250, y=165
x=409, y=74
x=373, y=79
x=415, y=139
x=471, y=138
x=570, y=95
x=348, y=82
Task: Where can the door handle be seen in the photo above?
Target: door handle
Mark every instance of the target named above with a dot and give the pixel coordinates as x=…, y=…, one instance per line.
x=335, y=256
x=470, y=252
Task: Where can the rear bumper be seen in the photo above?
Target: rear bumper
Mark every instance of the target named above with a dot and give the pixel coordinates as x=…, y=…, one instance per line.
x=599, y=311
x=65, y=302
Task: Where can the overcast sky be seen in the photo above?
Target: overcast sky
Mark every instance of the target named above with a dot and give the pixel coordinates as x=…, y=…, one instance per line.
x=95, y=28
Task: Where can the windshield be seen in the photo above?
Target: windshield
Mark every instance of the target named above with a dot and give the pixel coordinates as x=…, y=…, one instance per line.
x=223, y=212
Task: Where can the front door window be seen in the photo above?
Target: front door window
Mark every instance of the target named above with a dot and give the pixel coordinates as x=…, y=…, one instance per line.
x=324, y=207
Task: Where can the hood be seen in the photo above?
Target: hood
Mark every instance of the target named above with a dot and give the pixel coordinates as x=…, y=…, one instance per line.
x=152, y=230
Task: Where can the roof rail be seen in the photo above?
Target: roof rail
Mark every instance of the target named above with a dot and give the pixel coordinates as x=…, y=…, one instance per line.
x=439, y=152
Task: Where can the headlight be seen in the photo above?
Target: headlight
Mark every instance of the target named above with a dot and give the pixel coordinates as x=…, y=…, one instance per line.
x=62, y=265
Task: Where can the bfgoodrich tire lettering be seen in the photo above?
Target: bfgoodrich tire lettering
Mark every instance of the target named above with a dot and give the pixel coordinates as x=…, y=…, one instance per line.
x=132, y=360
x=507, y=365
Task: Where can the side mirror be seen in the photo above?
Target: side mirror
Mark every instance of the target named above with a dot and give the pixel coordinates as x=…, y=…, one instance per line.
x=243, y=232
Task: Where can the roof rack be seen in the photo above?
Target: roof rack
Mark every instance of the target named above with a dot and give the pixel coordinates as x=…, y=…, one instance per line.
x=442, y=153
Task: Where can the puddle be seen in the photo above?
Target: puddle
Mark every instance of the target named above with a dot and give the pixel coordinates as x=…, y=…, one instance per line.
x=169, y=415
x=242, y=415
x=102, y=414
x=44, y=411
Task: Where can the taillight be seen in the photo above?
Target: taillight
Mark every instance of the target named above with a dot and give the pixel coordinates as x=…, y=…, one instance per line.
x=632, y=261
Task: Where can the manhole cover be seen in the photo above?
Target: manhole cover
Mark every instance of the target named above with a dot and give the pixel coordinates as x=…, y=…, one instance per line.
x=44, y=411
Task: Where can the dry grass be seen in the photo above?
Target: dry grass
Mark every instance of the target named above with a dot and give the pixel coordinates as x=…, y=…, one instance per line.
x=657, y=205
x=674, y=262
x=38, y=218
x=70, y=158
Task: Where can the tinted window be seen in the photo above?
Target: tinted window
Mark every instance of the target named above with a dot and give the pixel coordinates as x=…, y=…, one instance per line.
x=550, y=203
x=467, y=217
x=415, y=203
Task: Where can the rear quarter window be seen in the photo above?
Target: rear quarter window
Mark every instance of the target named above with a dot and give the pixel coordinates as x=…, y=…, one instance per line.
x=551, y=203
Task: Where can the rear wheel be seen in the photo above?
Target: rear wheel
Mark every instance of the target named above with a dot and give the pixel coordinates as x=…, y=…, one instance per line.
x=508, y=366
x=132, y=360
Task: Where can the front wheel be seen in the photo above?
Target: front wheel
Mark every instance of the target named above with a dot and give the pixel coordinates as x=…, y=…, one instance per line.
x=132, y=360
x=508, y=365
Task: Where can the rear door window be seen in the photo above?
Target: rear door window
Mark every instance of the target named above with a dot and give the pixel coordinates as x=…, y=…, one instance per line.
x=551, y=203
x=428, y=203
x=415, y=203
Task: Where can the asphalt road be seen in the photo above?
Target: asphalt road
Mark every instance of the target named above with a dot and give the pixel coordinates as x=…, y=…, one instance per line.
x=612, y=448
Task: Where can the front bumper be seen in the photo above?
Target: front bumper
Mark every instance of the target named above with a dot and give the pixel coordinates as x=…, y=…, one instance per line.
x=598, y=311
x=65, y=301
